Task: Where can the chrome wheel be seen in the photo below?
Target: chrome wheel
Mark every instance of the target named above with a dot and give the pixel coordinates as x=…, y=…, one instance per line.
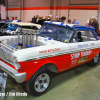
x=42, y=82
x=96, y=58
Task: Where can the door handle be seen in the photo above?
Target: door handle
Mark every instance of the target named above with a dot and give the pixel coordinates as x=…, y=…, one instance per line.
x=92, y=43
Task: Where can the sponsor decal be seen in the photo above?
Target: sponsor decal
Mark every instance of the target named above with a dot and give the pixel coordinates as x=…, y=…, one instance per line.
x=74, y=62
x=82, y=56
x=79, y=45
x=86, y=53
x=49, y=50
x=82, y=59
x=75, y=55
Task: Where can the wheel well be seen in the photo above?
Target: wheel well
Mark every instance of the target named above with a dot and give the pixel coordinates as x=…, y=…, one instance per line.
x=52, y=67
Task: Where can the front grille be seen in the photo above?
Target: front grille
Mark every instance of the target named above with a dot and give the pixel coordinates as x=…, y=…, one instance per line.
x=6, y=55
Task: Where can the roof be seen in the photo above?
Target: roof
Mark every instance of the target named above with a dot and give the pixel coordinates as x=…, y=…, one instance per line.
x=70, y=25
x=26, y=24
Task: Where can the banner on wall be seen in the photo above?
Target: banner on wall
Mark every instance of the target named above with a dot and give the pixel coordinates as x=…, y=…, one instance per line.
x=3, y=12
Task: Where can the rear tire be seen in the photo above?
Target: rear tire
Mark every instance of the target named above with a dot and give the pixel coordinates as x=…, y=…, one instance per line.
x=39, y=82
x=94, y=61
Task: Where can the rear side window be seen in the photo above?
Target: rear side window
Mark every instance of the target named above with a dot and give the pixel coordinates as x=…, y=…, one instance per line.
x=83, y=36
x=92, y=37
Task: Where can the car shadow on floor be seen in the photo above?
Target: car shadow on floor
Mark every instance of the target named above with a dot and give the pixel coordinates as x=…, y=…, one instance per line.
x=70, y=74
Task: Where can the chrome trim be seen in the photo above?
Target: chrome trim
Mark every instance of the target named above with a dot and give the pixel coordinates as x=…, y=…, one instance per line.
x=6, y=55
x=8, y=47
x=19, y=77
x=42, y=82
x=68, y=52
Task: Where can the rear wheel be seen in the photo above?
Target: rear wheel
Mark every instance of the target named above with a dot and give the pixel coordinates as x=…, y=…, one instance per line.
x=94, y=61
x=39, y=82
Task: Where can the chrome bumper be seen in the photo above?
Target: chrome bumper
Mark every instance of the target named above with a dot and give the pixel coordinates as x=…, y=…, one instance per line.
x=19, y=77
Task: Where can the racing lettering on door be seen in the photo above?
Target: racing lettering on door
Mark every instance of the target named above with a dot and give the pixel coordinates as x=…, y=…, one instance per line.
x=80, y=57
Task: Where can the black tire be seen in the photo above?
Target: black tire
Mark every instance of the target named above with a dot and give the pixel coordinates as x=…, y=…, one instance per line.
x=94, y=61
x=37, y=86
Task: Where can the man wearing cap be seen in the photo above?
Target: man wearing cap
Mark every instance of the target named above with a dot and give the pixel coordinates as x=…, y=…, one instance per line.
x=63, y=18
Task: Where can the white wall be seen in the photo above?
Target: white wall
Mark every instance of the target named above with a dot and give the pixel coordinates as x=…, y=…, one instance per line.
x=28, y=14
x=82, y=15
x=14, y=13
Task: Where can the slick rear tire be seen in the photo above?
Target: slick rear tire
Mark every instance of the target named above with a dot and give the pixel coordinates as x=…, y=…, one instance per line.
x=39, y=83
x=94, y=61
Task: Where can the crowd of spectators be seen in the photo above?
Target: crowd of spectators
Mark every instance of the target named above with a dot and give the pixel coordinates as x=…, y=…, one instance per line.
x=39, y=19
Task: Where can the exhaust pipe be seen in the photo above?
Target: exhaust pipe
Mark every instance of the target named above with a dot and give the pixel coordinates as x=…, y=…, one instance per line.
x=36, y=41
x=19, y=32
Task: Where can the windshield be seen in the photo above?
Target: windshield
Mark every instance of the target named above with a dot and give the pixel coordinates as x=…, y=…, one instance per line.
x=55, y=32
x=10, y=26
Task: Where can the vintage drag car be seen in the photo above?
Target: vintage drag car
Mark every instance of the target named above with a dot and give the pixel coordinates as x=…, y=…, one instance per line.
x=10, y=28
x=64, y=46
x=2, y=23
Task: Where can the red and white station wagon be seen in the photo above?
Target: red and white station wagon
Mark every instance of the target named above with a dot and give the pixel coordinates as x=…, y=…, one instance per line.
x=58, y=47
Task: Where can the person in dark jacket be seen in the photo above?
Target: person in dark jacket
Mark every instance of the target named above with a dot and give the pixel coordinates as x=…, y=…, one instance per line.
x=63, y=18
x=40, y=21
x=33, y=20
x=69, y=21
x=95, y=24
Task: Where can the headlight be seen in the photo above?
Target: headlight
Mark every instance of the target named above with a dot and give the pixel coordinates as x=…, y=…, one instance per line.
x=16, y=64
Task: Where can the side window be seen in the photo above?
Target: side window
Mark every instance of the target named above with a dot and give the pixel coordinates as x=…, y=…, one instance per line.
x=80, y=36
x=92, y=37
x=85, y=36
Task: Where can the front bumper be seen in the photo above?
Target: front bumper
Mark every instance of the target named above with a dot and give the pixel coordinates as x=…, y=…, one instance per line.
x=19, y=77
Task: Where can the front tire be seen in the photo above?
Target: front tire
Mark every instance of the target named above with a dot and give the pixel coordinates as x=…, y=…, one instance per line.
x=39, y=82
x=94, y=61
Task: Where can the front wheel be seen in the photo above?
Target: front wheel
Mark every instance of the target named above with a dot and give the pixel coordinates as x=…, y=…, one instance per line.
x=39, y=82
x=94, y=61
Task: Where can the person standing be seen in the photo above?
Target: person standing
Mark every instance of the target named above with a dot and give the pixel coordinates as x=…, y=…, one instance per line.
x=69, y=21
x=63, y=19
x=57, y=19
x=89, y=22
x=75, y=21
x=40, y=21
x=95, y=24
x=33, y=20
x=47, y=18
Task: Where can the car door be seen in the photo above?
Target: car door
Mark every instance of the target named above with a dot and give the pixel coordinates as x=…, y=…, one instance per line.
x=84, y=51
